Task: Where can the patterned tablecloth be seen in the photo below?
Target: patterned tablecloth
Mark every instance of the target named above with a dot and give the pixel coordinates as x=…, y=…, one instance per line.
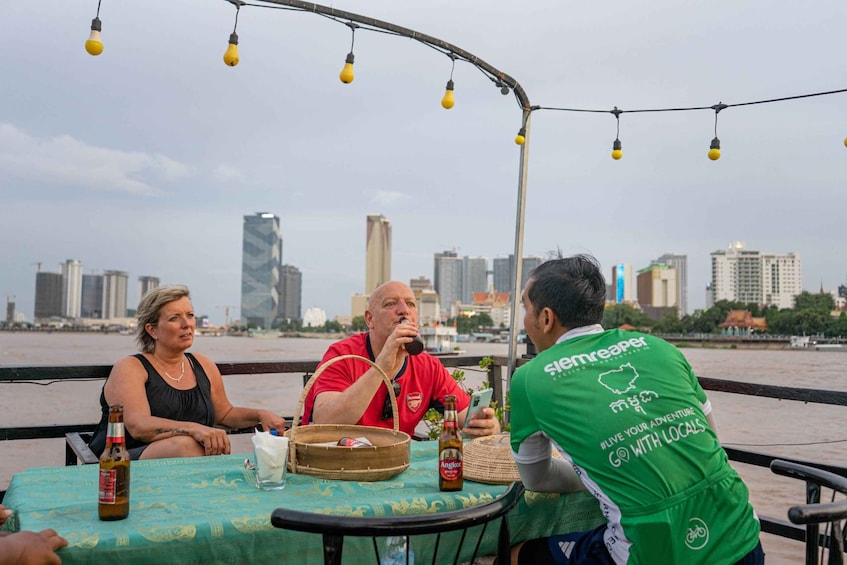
x=208, y=510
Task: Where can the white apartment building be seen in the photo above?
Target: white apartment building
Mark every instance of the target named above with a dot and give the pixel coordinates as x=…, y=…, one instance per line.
x=745, y=275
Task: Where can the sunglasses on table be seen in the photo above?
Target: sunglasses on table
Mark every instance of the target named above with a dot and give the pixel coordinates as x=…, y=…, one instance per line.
x=387, y=413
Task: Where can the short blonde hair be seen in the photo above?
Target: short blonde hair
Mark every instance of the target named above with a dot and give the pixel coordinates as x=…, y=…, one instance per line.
x=149, y=309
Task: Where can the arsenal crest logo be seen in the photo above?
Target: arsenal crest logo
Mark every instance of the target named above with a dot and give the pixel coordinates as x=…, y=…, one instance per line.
x=414, y=401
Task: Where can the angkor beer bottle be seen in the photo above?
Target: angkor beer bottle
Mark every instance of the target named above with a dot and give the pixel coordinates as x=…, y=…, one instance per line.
x=114, y=470
x=450, y=449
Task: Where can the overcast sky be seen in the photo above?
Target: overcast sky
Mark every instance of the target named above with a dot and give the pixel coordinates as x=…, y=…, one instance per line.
x=146, y=158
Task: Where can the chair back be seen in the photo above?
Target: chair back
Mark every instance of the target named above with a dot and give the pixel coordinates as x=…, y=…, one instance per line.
x=335, y=528
x=814, y=513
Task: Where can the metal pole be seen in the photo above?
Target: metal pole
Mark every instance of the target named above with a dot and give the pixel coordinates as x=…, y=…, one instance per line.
x=519, y=225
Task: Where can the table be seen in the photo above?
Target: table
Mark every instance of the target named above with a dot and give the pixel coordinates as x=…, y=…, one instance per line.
x=208, y=510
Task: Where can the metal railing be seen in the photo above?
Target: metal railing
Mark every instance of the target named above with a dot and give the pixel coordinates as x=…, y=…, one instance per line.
x=496, y=377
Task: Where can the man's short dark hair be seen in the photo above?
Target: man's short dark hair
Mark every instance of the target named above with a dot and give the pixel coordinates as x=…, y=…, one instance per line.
x=572, y=287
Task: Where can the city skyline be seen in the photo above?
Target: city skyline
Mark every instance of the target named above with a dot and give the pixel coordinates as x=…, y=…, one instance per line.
x=118, y=161
x=622, y=283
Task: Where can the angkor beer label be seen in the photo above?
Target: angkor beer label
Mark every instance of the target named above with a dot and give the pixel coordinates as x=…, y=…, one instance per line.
x=115, y=433
x=450, y=464
x=108, y=479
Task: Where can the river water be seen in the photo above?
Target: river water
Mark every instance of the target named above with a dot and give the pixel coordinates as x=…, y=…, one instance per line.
x=784, y=428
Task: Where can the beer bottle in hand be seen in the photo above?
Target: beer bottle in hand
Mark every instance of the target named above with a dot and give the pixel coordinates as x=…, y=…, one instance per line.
x=114, y=470
x=450, y=449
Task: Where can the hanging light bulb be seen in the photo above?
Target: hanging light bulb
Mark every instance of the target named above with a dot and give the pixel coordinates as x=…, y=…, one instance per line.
x=448, y=101
x=616, y=145
x=346, y=75
x=231, y=57
x=715, y=149
x=94, y=45
x=520, y=139
x=231, y=54
x=715, y=146
x=616, y=150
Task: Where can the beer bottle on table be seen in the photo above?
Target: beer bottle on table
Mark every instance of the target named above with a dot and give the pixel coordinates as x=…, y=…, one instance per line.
x=450, y=449
x=113, y=503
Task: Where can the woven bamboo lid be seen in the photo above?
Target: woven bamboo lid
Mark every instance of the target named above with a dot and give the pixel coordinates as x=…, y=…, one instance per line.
x=489, y=460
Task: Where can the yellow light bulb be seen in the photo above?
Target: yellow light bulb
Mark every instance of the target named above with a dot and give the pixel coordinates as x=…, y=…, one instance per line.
x=520, y=139
x=715, y=149
x=845, y=142
x=231, y=55
x=617, y=153
x=94, y=44
x=346, y=75
x=448, y=101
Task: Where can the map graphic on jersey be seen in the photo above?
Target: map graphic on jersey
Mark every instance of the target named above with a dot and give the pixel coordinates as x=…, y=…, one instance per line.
x=620, y=380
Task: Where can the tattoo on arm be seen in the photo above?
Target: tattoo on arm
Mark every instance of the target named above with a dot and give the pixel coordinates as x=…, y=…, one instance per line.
x=173, y=431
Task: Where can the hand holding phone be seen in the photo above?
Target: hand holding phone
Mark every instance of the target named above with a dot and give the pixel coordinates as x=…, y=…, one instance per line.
x=479, y=399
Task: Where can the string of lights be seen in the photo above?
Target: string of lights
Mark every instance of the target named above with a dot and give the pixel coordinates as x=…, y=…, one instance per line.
x=94, y=46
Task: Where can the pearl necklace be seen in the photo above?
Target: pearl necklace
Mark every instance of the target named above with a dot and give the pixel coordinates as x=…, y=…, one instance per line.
x=181, y=370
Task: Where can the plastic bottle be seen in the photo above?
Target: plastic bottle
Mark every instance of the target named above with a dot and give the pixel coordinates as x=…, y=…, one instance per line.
x=395, y=551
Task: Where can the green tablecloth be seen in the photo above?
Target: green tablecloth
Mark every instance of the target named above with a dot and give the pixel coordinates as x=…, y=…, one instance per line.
x=208, y=510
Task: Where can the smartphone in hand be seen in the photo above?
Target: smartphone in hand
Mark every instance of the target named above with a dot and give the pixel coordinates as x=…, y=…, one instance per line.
x=479, y=399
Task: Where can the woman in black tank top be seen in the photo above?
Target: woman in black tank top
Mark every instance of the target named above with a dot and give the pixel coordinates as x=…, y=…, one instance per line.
x=174, y=402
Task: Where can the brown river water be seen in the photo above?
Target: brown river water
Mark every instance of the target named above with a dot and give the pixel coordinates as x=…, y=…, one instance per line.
x=784, y=428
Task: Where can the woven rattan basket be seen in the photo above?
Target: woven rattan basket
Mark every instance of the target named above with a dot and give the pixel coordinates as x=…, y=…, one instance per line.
x=389, y=455
x=489, y=460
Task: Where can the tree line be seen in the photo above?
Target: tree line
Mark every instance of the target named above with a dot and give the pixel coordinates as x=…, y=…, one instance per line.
x=811, y=315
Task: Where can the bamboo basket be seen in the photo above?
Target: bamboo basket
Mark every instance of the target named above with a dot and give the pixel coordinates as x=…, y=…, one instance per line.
x=389, y=455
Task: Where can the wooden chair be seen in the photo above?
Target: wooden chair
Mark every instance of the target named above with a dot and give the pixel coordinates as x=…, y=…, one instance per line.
x=814, y=513
x=335, y=528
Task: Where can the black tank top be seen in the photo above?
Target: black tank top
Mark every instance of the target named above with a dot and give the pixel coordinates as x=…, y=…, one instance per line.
x=192, y=405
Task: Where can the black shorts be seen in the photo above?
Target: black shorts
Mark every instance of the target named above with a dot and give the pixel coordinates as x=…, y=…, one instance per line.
x=567, y=549
x=588, y=548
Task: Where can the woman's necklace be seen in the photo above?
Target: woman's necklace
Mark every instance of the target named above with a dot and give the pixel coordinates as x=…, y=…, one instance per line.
x=181, y=370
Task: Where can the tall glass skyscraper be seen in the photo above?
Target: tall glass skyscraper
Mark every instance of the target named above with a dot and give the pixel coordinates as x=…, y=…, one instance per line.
x=48, y=295
x=377, y=252
x=261, y=261
x=92, y=296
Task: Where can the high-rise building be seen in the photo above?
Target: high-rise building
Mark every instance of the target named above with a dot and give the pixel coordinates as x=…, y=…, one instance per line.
x=115, y=284
x=48, y=295
x=501, y=274
x=680, y=264
x=377, y=252
x=146, y=284
x=749, y=276
x=474, y=277
x=503, y=271
x=447, y=279
x=71, y=288
x=657, y=285
x=261, y=261
x=92, y=296
x=290, y=293
x=10, y=309
x=622, y=284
